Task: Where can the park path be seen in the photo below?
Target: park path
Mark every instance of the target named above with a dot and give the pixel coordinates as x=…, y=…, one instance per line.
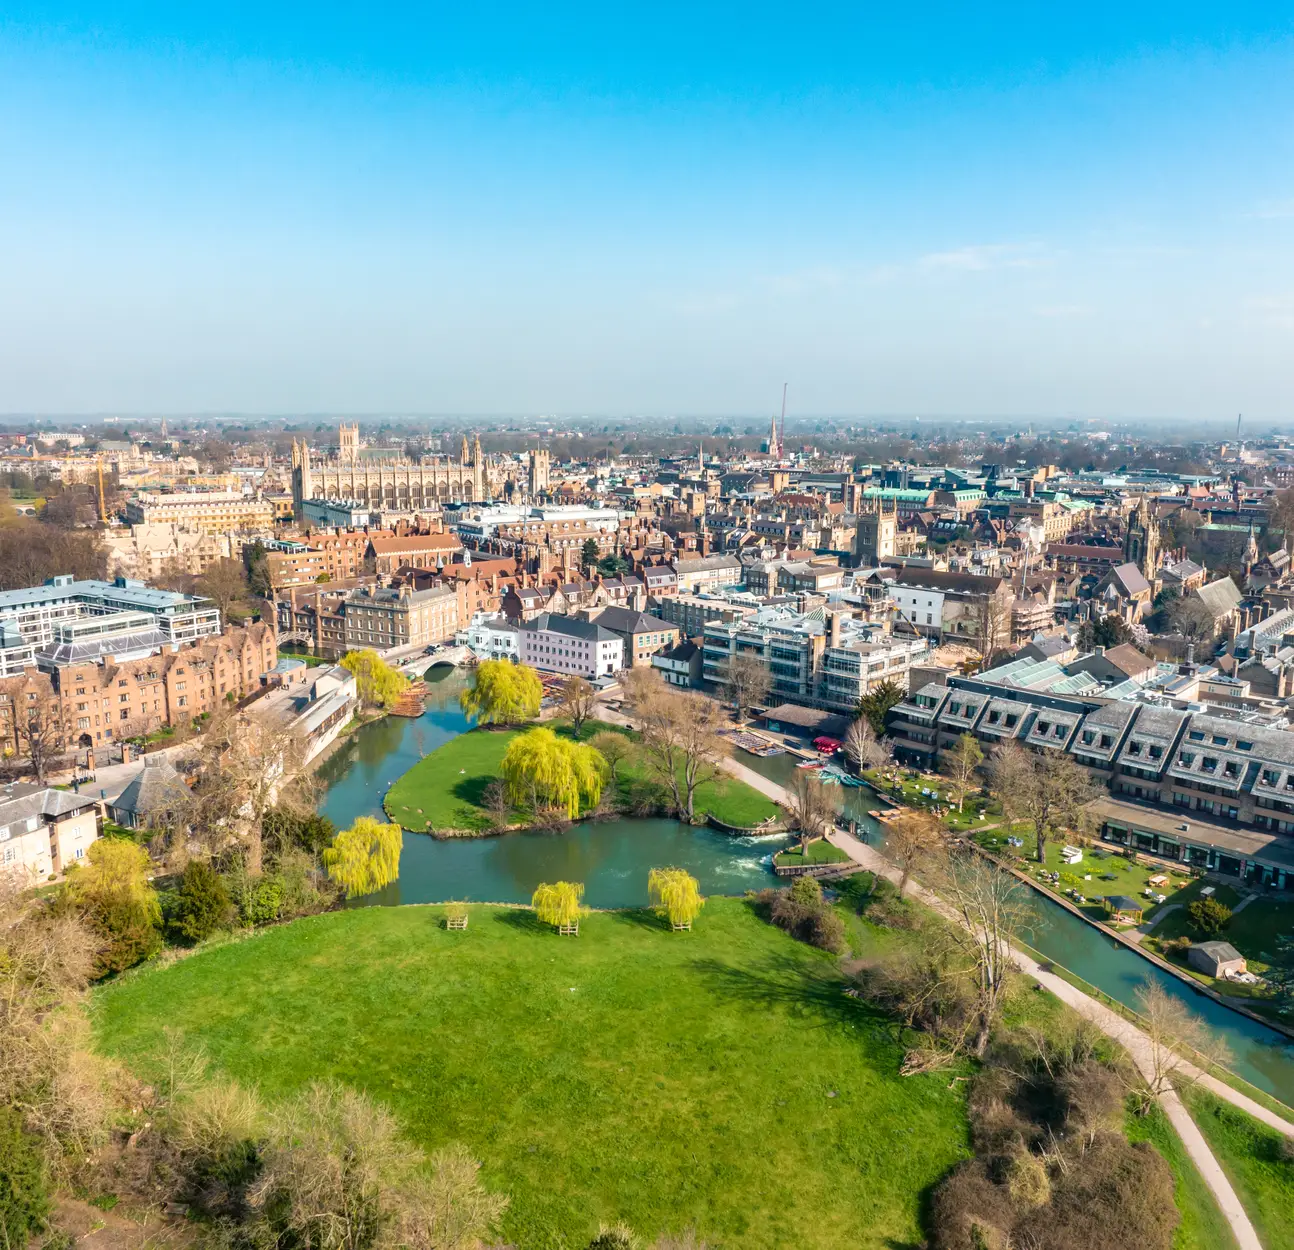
x=1113, y=1025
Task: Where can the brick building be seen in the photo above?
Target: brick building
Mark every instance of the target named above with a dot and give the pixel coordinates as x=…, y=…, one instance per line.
x=96, y=704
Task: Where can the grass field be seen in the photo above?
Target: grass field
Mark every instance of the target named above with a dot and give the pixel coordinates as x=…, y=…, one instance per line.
x=1203, y=1225
x=718, y=1079
x=446, y=788
x=1250, y=1154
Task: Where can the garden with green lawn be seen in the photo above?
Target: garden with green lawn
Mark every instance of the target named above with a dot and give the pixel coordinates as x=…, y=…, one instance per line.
x=719, y=1079
x=446, y=789
x=1110, y=871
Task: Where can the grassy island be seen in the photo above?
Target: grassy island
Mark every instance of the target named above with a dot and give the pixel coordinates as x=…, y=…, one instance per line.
x=446, y=789
x=719, y=1078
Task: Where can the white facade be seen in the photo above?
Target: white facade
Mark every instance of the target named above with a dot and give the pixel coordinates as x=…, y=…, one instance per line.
x=491, y=636
x=920, y=607
x=591, y=652
x=43, y=830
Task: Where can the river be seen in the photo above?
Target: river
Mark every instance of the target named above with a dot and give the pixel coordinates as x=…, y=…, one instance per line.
x=613, y=858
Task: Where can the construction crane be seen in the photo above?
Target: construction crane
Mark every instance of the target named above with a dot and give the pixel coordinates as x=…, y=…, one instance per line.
x=781, y=429
x=103, y=511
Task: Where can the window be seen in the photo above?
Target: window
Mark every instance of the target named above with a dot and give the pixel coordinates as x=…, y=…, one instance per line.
x=1196, y=735
x=1241, y=745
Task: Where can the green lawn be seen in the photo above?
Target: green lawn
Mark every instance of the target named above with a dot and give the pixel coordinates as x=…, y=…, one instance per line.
x=1203, y=1225
x=1250, y=1154
x=444, y=790
x=719, y=1078
x=819, y=852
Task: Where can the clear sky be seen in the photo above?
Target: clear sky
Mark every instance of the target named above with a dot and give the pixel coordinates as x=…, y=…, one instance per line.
x=652, y=208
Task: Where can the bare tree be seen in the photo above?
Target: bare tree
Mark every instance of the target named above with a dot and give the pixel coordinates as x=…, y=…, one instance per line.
x=1049, y=790
x=992, y=908
x=962, y=762
x=864, y=747
x=990, y=618
x=1182, y=1047
x=1193, y=620
x=224, y=582
x=577, y=699
x=681, y=743
x=39, y=734
x=912, y=838
x=813, y=807
x=747, y=680
x=247, y=765
x=638, y=685
x=495, y=801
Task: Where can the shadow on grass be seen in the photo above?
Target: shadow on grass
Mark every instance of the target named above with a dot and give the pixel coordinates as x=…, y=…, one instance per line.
x=810, y=989
x=523, y=920
x=471, y=790
x=642, y=918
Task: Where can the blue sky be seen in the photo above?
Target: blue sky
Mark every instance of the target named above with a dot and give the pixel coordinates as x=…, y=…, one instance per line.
x=648, y=209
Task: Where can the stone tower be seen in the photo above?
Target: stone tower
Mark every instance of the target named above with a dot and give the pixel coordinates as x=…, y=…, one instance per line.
x=877, y=534
x=348, y=443
x=1141, y=540
x=538, y=476
x=478, y=469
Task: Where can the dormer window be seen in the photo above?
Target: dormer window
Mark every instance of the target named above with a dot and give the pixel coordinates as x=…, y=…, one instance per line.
x=1088, y=737
x=1156, y=752
x=1012, y=720
x=1106, y=740
x=1232, y=769
x=1134, y=748
x=955, y=709
x=1043, y=726
x=1196, y=736
x=1270, y=777
x=1210, y=764
x=1186, y=759
x=1244, y=746
x=994, y=717
x=1219, y=741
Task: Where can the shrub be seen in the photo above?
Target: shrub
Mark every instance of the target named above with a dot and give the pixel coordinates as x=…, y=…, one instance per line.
x=24, y=1184
x=1208, y=916
x=259, y=900
x=1177, y=946
x=803, y=913
x=202, y=903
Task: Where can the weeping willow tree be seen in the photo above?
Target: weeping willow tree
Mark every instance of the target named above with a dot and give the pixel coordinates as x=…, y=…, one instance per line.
x=559, y=905
x=545, y=771
x=366, y=857
x=676, y=895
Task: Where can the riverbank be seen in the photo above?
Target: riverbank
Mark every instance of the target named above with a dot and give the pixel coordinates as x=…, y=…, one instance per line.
x=445, y=793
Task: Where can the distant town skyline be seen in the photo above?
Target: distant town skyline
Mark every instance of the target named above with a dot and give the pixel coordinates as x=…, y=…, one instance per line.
x=323, y=210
